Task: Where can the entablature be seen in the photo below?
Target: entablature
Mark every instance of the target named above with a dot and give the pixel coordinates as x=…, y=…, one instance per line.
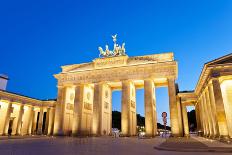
x=139, y=72
x=119, y=61
x=15, y=98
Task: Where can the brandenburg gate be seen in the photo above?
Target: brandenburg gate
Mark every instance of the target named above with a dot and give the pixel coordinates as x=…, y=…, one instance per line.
x=84, y=102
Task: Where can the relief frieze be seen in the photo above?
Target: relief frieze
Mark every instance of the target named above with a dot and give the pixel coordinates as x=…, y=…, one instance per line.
x=88, y=106
x=119, y=74
x=132, y=104
x=106, y=105
x=110, y=62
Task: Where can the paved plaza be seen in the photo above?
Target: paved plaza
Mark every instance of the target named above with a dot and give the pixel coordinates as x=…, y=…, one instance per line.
x=94, y=146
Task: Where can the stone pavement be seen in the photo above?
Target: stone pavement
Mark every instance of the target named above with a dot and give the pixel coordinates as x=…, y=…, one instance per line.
x=194, y=144
x=87, y=146
x=212, y=143
x=20, y=137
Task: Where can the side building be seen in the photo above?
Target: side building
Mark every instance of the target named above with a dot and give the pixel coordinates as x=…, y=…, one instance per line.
x=22, y=115
x=212, y=99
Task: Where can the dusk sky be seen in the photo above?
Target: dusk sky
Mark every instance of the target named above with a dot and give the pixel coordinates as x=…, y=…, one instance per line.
x=37, y=37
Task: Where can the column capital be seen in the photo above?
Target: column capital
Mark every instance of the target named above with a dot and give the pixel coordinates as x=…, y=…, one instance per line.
x=215, y=74
x=77, y=85
x=127, y=81
x=60, y=86
x=100, y=82
x=148, y=79
x=171, y=79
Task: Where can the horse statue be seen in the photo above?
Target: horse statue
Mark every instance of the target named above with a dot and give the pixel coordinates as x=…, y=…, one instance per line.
x=123, y=50
x=102, y=52
x=117, y=51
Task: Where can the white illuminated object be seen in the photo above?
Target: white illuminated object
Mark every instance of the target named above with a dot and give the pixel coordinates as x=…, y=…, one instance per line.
x=3, y=81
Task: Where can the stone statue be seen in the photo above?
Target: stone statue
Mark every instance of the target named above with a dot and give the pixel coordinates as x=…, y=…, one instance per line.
x=123, y=50
x=117, y=51
x=114, y=38
x=108, y=52
x=102, y=52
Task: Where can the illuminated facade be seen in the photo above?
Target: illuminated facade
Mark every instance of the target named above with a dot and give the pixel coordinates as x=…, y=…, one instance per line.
x=212, y=99
x=20, y=115
x=84, y=103
x=84, y=100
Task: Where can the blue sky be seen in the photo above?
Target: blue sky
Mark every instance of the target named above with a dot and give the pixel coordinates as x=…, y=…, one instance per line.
x=37, y=37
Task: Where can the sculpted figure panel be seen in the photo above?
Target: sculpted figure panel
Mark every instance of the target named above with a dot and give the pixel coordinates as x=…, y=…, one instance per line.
x=116, y=74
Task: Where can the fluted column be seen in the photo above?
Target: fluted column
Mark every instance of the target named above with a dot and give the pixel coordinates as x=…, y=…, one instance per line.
x=178, y=102
x=150, y=108
x=77, y=112
x=7, y=119
x=128, y=115
x=34, y=124
x=102, y=111
x=51, y=121
x=206, y=112
x=220, y=110
x=210, y=115
x=197, y=116
x=97, y=109
x=203, y=116
x=226, y=89
x=60, y=110
x=47, y=121
x=19, y=121
x=213, y=107
x=30, y=120
x=173, y=108
x=201, y=124
x=185, y=120
x=40, y=123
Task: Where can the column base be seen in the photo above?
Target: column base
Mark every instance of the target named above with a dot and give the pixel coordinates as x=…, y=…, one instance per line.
x=211, y=136
x=176, y=135
x=224, y=138
x=58, y=134
x=124, y=135
x=5, y=134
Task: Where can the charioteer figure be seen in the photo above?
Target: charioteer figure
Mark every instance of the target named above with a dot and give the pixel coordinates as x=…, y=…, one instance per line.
x=117, y=51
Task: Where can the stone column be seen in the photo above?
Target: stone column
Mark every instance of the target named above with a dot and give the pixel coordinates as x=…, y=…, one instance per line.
x=102, y=111
x=198, y=117
x=210, y=116
x=213, y=107
x=173, y=108
x=60, y=110
x=97, y=109
x=150, y=108
x=220, y=110
x=51, y=121
x=128, y=115
x=7, y=119
x=47, y=121
x=206, y=113
x=40, y=124
x=205, y=129
x=30, y=120
x=77, y=111
x=200, y=114
x=19, y=122
x=185, y=120
x=180, y=116
x=34, y=122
